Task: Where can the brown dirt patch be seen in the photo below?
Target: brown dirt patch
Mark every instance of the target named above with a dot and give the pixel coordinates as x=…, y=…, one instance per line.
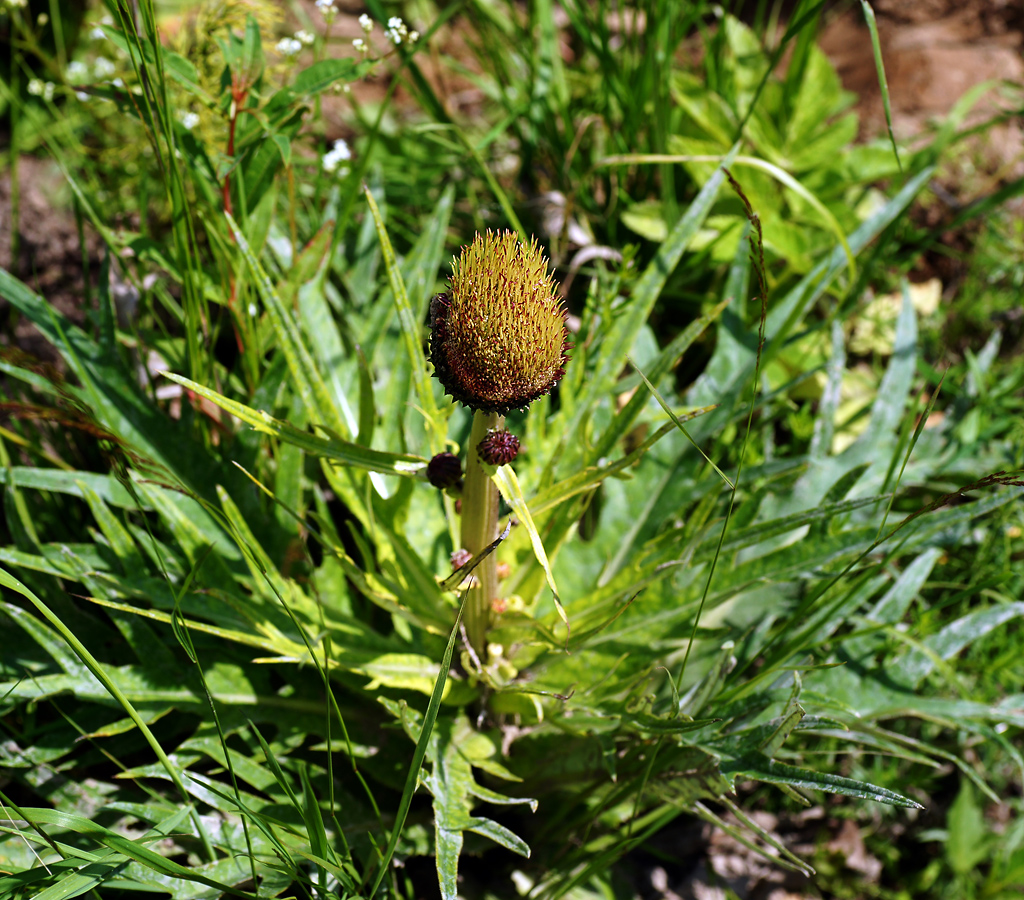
x=934, y=51
x=49, y=255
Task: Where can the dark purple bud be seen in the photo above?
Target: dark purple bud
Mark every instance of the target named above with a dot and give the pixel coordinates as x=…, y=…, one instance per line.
x=444, y=471
x=498, y=448
x=460, y=557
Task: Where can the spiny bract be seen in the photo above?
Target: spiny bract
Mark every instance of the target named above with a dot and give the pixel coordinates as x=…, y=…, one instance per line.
x=498, y=337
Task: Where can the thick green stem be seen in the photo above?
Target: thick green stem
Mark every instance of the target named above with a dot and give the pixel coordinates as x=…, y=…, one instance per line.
x=480, y=528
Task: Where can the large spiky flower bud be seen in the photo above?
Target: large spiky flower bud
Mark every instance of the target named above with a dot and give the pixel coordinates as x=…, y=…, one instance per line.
x=498, y=338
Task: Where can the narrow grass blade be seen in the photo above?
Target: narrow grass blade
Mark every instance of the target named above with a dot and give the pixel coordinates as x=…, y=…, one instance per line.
x=131, y=849
x=508, y=485
x=301, y=364
x=333, y=448
x=593, y=476
x=412, y=333
x=418, y=756
x=679, y=422
x=100, y=673
x=883, y=84
x=660, y=366
x=650, y=284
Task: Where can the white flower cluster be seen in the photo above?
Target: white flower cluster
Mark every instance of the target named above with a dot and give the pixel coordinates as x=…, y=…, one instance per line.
x=306, y=38
x=77, y=72
x=44, y=89
x=396, y=32
x=289, y=47
x=334, y=157
x=188, y=120
x=327, y=10
x=366, y=23
x=102, y=68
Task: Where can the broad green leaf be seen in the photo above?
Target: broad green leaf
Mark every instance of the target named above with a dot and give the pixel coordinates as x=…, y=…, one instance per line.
x=325, y=72
x=969, y=836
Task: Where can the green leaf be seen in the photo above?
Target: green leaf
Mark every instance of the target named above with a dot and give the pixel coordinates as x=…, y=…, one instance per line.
x=761, y=768
x=883, y=84
x=969, y=837
x=508, y=485
x=305, y=375
x=412, y=334
x=451, y=782
x=418, y=756
x=324, y=73
x=132, y=849
x=332, y=448
x=649, y=287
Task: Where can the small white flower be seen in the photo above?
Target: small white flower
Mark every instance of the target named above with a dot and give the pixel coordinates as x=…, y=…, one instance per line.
x=414, y=36
x=118, y=83
x=366, y=23
x=82, y=95
x=306, y=38
x=44, y=89
x=102, y=68
x=360, y=45
x=189, y=120
x=289, y=47
x=253, y=310
x=334, y=157
x=98, y=34
x=396, y=32
x=77, y=71
x=327, y=10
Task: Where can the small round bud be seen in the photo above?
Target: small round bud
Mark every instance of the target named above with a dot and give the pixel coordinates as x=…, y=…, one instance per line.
x=498, y=338
x=498, y=448
x=460, y=557
x=444, y=471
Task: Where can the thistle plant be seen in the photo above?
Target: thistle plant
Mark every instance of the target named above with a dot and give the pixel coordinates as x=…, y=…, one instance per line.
x=498, y=342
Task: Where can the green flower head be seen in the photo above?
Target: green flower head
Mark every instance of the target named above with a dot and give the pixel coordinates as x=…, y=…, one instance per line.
x=498, y=338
